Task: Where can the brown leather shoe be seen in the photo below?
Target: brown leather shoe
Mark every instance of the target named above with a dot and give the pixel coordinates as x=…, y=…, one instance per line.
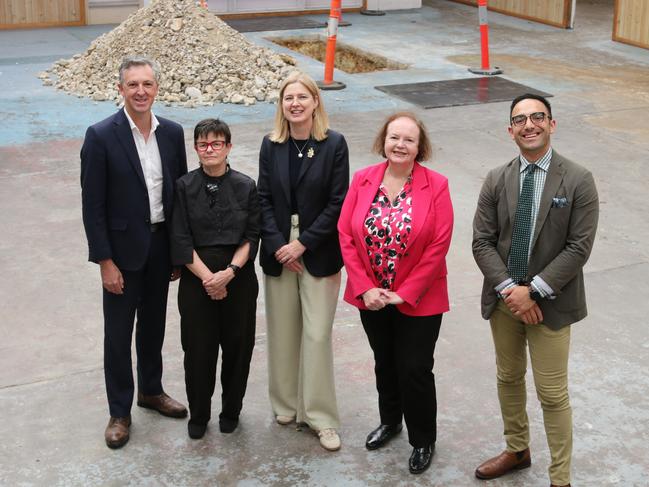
x=162, y=403
x=504, y=463
x=116, y=433
x=554, y=485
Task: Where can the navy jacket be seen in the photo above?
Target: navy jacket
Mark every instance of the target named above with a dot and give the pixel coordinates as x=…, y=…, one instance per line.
x=321, y=189
x=115, y=201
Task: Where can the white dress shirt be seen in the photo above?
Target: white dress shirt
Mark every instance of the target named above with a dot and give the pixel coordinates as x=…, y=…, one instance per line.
x=149, y=155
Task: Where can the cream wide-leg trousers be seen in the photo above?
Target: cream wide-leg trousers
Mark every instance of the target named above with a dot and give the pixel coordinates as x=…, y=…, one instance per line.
x=300, y=310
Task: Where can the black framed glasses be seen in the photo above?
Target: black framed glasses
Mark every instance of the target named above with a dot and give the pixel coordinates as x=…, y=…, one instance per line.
x=212, y=190
x=215, y=145
x=537, y=118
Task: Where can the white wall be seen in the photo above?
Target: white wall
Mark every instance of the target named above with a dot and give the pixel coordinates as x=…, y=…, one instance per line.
x=392, y=4
x=110, y=11
x=115, y=11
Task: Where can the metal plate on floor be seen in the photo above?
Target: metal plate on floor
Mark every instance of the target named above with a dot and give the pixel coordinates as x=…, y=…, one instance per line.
x=458, y=92
x=261, y=24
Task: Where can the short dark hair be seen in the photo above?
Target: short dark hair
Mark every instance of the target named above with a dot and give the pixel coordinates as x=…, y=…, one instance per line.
x=424, y=150
x=214, y=126
x=528, y=96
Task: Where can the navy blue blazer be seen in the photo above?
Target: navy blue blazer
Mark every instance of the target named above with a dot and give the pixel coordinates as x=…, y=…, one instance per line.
x=321, y=189
x=115, y=201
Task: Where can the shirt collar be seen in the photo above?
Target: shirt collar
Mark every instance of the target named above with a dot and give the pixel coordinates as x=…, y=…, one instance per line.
x=154, y=121
x=542, y=163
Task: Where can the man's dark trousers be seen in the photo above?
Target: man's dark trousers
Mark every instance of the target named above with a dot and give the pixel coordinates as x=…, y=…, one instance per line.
x=145, y=295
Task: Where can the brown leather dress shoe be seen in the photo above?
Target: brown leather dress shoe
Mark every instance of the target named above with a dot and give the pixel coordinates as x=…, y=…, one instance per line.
x=116, y=433
x=162, y=403
x=504, y=463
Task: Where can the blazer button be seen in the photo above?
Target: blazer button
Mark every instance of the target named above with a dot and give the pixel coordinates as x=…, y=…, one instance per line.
x=147, y=221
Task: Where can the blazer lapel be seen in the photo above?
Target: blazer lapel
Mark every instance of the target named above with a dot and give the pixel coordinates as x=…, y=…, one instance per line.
x=366, y=193
x=125, y=137
x=282, y=162
x=421, y=200
x=552, y=183
x=512, y=187
x=166, y=151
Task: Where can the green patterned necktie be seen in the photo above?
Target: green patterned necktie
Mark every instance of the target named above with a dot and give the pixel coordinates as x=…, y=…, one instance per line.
x=518, y=253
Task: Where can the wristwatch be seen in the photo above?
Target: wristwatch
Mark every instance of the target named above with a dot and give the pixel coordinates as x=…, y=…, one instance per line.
x=535, y=295
x=235, y=268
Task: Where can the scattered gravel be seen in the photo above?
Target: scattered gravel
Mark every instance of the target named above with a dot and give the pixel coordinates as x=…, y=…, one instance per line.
x=202, y=59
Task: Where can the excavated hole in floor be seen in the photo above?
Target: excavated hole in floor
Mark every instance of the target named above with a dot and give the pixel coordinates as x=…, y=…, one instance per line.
x=348, y=59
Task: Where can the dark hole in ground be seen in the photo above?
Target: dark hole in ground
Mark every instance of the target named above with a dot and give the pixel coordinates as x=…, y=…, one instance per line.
x=348, y=59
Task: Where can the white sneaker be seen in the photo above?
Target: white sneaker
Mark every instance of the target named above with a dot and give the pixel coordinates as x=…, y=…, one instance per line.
x=284, y=420
x=329, y=439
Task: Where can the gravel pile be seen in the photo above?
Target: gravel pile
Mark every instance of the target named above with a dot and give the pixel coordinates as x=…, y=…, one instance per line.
x=203, y=60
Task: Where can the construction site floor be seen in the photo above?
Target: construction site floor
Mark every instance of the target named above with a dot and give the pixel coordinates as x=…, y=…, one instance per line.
x=52, y=397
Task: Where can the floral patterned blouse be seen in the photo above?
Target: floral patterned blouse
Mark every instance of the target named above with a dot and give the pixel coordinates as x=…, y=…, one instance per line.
x=388, y=225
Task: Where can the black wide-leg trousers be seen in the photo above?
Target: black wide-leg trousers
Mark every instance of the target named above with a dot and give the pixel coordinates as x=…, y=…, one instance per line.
x=208, y=324
x=404, y=348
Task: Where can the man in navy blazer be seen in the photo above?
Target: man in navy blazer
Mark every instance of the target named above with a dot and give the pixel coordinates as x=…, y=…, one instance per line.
x=129, y=164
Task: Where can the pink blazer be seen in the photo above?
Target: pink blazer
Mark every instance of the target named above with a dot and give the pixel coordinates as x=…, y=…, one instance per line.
x=421, y=273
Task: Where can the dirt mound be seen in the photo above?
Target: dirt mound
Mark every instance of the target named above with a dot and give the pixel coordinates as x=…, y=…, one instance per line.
x=203, y=60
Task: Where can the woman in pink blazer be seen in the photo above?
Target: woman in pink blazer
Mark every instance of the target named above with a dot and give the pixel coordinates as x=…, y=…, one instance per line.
x=395, y=230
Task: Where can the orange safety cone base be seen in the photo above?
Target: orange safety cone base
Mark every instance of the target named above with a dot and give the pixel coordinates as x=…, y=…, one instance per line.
x=334, y=85
x=486, y=72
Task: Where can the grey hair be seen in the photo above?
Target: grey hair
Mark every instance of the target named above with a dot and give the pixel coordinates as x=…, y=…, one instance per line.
x=130, y=61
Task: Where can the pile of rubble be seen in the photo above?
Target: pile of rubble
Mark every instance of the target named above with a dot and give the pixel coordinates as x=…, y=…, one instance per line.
x=203, y=60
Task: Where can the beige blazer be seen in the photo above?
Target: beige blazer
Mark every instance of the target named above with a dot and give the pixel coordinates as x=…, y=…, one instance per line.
x=563, y=237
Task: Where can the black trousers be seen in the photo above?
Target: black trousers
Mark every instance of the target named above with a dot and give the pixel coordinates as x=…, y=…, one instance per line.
x=403, y=348
x=206, y=325
x=145, y=295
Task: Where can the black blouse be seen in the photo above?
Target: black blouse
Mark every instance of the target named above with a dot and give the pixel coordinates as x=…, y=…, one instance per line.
x=295, y=164
x=214, y=211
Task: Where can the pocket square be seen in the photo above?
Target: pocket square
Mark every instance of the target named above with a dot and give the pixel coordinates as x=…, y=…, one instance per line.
x=559, y=202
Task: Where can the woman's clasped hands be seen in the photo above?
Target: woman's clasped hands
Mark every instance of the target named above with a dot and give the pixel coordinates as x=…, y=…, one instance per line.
x=288, y=255
x=378, y=298
x=215, y=286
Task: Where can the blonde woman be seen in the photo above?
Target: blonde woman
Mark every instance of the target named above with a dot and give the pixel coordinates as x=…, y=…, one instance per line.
x=303, y=179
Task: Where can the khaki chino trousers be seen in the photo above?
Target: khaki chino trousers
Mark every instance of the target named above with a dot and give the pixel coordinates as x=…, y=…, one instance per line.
x=300, y=310
x=549, y=356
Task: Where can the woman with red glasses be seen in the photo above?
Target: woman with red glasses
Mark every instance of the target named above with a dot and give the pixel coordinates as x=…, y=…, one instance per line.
x=215, y=236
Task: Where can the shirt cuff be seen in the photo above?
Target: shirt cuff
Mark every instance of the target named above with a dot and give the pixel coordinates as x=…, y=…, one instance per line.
x=540, y=286
x=506, y=284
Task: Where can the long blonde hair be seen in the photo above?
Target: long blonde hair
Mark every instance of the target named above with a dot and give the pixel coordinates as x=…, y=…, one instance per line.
x=281, y=130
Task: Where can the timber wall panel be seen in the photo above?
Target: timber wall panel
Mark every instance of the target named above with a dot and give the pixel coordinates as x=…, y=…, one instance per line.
x=631, y=22
x=551, y=12
x=41, y=13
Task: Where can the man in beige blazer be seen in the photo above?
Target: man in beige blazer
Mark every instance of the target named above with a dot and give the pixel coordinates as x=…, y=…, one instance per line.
x=533, y=231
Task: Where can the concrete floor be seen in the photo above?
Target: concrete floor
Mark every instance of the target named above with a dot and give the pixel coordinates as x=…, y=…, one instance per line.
x=52, y=398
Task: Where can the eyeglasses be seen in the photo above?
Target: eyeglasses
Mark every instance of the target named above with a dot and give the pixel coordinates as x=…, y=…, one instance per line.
x=216, y=145
x=537, y=118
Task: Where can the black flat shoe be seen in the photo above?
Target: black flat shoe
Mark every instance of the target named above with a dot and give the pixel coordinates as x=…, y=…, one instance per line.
x=196, y=431
x=228, y=425
x=381, y=435
x=420, y=459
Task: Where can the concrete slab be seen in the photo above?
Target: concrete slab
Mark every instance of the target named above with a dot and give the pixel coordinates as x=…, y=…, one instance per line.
x=51, y=380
